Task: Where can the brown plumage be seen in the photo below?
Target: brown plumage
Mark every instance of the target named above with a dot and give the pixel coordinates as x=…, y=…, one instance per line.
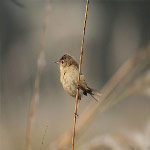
x=69, y=69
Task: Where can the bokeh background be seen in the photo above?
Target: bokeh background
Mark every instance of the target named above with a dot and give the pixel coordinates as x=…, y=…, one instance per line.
x=116, y=31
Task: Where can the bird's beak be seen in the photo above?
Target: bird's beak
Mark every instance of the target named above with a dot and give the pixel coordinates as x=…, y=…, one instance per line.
x=57, y=62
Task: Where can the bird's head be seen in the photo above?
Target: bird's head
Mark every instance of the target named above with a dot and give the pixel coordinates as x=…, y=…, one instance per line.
x=66, y=61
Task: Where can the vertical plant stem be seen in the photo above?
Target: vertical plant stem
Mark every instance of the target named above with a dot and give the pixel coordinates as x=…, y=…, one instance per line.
x=37, y=81
x=1, y=83
x=77, y=95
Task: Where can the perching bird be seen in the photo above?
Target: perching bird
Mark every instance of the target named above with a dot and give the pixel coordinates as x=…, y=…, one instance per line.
x=69, y=70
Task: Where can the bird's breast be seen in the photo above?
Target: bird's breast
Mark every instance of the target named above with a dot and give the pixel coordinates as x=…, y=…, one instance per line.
x=69, y=75
x=68, y=78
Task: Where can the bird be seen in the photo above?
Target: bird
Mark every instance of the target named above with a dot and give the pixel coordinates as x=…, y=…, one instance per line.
x=69, y=71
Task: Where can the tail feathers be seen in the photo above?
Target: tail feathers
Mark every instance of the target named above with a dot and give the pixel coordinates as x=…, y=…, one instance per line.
x=94, y=94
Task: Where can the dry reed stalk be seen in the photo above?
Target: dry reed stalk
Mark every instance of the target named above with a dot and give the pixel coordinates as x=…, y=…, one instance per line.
x=1, y=83
x=80, y=64
x=109, y=97
x=37, y=81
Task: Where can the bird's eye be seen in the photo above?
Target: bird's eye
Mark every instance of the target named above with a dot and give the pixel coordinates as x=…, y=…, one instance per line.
x=62, y=61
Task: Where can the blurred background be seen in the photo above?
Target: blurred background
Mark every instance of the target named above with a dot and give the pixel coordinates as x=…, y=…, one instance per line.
x=116, y=31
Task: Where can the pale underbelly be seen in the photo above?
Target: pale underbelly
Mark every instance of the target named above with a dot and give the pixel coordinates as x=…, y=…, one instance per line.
x=70, y=85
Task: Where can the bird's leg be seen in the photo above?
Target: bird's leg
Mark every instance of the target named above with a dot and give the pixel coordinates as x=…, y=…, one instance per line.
x=79, y=99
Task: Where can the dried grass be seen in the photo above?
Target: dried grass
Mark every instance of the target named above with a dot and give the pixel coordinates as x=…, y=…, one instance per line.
x=123, y=140
x=35, y=96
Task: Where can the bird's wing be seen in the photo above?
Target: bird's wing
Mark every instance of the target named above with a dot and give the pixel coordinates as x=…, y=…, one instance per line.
x=82, y=82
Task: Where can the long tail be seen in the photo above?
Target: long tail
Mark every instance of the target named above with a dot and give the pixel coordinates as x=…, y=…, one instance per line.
x=94, y=94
